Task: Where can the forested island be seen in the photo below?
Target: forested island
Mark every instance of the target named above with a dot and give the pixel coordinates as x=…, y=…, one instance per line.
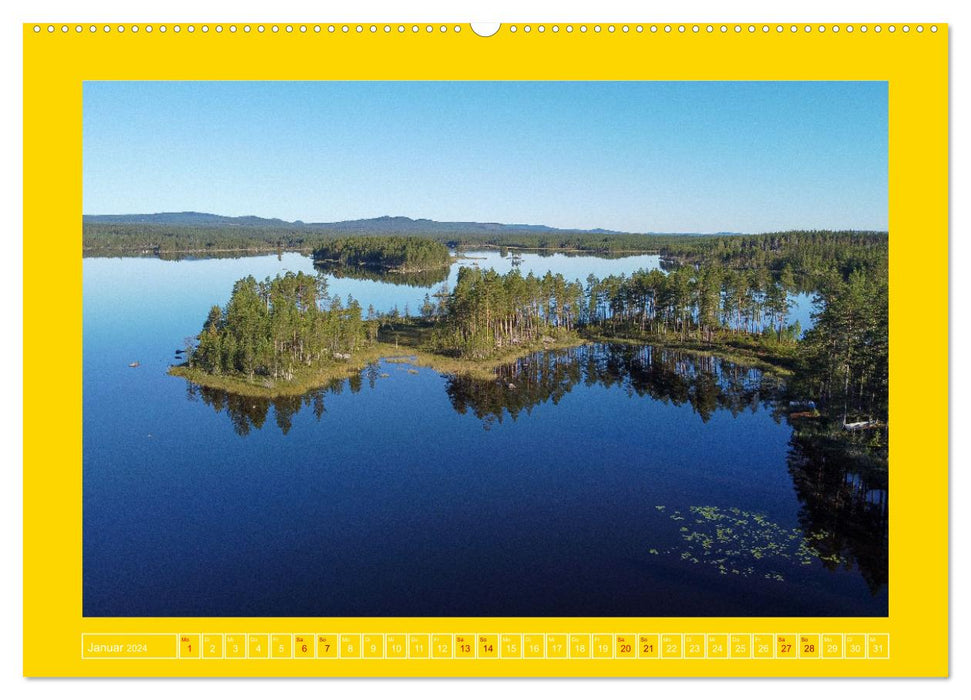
x=397, y=254
x=729, y=297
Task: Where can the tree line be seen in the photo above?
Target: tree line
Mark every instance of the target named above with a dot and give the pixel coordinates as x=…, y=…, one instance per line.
x=804, y=251
x=487, y=311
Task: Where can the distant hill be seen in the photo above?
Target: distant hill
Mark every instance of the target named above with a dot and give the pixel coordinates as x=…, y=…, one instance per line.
x=381, y=224
x=184, y=218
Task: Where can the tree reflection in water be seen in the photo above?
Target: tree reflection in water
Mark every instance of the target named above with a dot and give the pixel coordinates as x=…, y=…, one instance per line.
x=250, y=412
x=705, y=382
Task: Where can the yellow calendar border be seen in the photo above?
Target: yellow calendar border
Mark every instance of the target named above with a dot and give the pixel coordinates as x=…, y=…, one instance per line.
x=58, y=59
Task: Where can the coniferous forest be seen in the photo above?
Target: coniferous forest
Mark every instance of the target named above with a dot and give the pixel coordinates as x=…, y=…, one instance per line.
x=274, y=327
x=728, y=296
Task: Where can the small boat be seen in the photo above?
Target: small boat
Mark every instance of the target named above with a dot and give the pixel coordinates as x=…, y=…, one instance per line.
x=133, y=364
x=861, y=425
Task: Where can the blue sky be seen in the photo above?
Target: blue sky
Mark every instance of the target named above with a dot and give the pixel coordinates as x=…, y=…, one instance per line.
x=630, y=156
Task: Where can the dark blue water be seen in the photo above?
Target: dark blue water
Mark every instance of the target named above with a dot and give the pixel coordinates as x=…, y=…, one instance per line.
x=579, y=483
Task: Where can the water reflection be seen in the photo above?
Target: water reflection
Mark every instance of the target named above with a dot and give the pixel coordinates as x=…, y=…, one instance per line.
x=706, y=383
x=841, y=482
x=248, y=413
x=425, y=278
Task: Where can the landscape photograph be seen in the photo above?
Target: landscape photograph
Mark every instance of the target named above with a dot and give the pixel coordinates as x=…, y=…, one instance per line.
x=485, y=349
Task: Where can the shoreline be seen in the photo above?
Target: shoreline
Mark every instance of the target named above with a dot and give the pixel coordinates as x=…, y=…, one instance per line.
x=319, y=377
x=316, y=378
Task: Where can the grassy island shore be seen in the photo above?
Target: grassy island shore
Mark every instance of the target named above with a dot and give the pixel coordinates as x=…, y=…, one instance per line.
x=407, y=341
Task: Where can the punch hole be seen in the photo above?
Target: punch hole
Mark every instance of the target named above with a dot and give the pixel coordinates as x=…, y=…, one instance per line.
x=106, y=28
x=316, y=29
x=93, y=28
x=219, y=28
x=640, y=29
x=625, y=29
x=891, y=29
x=681, y=29
x=205, y=29
x=569, y=28
x=387, y=28
x=541, y=28
x=905, y=28
x=79, y=29
x=554, y=29
x=261, y=29
x=527, y=29
x=849, y=28
x=414, y=29
x=148, y=28
x=863, y=28
x=667, y=28
x=429, y=29
x=121, y=28
x=751, y=29
x=64, y=28
x=513, y=29
x=50, y=28
x=920, y=28
x=836, y=29
x=176, y=29
x=583, y=28
x=653, y=29
x=191, y=29
x=709, y=29
x=458, y=29
x=275, y=28
x=765, y=29
x=485, y=29
x=933, y=28
x=246, y=28
x=877, y=28
x=779, y=28
x=695, y=28
x=330, y=28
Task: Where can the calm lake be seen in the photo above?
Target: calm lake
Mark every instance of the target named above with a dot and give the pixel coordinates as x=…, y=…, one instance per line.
x=603, y=480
